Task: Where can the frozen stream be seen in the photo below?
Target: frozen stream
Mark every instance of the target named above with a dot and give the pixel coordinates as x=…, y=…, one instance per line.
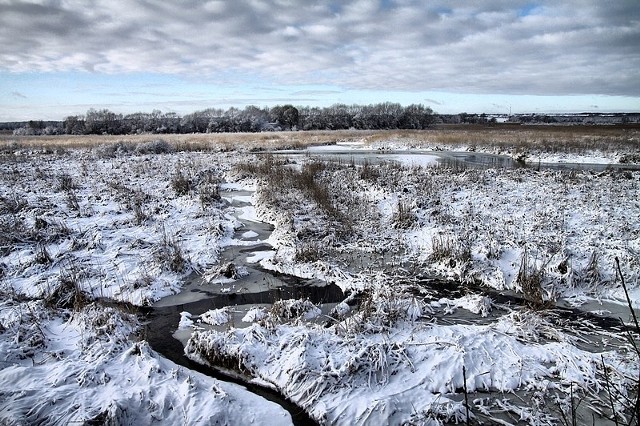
x=455, y=159
x=256, y=287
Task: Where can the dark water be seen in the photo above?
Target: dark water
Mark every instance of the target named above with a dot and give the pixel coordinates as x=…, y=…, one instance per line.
x=163, y=322
x=258, y=287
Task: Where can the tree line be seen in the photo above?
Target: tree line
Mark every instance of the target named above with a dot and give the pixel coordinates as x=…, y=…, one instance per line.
x=385, y=115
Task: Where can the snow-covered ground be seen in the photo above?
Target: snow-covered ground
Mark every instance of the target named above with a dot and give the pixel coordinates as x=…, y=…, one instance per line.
x=84, y=368
x=83, y=226
x=472, y=225
x=376, y=228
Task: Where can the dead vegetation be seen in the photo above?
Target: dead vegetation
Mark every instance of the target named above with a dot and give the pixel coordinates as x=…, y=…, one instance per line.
x=516, y=138
x=530, y=278
x=522, y=138
x=169, y=255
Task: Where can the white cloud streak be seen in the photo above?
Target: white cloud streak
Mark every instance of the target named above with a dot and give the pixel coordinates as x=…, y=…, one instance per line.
x=496, y=46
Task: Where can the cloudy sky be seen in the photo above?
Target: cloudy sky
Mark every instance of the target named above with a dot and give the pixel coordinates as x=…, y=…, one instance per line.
x=62, y=57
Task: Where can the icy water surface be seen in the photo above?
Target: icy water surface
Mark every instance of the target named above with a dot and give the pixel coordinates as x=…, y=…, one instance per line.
x=254, y=287
x=454, y=159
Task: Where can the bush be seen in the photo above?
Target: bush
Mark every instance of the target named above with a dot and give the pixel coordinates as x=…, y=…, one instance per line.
x=403, y=217
x=530, y=280
x=180, y=183
x=65, y=183
x=12, y=205
x=113, y=150
x=67, y=294
x=158, y=146
x=169, y=254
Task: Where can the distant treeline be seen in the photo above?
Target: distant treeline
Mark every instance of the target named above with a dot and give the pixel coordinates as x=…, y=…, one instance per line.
x=287, y=117
x=250, y=119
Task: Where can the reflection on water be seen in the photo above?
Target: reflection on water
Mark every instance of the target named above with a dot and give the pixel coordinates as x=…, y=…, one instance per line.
x=452, y=159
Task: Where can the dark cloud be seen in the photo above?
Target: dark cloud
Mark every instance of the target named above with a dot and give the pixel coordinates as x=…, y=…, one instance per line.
x=432, y=101
x=494, y=46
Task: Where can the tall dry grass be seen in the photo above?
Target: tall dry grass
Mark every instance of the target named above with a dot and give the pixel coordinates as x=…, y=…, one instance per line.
x=501, y=136
x=184, y=142
x=515, y=137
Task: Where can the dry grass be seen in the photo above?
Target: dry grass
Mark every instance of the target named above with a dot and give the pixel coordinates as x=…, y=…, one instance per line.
x=507, y=136
x=502, y=136
x=187, y=142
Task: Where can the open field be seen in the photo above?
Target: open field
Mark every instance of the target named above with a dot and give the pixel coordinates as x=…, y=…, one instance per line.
x=497, y=138
x=470, y=294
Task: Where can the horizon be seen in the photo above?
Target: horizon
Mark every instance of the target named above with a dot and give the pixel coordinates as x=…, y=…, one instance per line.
x=60, y=59
x=501, y=114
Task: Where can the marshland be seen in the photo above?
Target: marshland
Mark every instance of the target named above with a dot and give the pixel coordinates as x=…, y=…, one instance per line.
x=360, y=277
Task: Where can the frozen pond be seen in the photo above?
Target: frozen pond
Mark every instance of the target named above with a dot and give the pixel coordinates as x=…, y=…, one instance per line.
x=454, y=159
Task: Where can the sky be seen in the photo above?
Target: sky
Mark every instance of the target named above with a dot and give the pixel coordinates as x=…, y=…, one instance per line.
x=62, y=57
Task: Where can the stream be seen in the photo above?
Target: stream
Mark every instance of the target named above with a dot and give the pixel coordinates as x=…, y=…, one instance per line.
x=255, y=286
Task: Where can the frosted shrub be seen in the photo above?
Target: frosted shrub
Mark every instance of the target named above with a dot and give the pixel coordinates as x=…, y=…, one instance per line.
x=286, y=310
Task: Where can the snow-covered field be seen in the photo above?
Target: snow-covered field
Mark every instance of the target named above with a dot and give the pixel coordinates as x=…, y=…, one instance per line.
x=82, y=227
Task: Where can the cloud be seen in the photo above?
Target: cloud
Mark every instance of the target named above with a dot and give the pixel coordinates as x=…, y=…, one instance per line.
x=494, y=46
x=432, y=101
x=315, y=92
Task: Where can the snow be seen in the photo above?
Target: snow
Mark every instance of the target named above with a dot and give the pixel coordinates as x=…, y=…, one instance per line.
x=87, y=369
x=185, y=321
x=259, y=256
x=396, y=352
x=216, y=316
x=249, y=234
x=375, y=378
x=78, y=364
x=478, y=226
x=572, y=226
x=123, y=255
x=255, y=314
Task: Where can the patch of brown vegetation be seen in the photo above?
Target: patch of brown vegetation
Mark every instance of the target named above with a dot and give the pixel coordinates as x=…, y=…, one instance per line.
x=501, y=136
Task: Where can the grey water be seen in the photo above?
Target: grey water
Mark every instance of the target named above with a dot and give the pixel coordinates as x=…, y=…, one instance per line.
x=452, y=159
x=255, y=287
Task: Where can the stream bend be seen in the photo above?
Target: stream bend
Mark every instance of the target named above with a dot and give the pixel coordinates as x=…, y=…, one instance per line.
x=258, y=287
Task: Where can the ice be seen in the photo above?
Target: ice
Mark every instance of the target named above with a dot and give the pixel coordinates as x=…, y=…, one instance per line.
x=249, y=234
